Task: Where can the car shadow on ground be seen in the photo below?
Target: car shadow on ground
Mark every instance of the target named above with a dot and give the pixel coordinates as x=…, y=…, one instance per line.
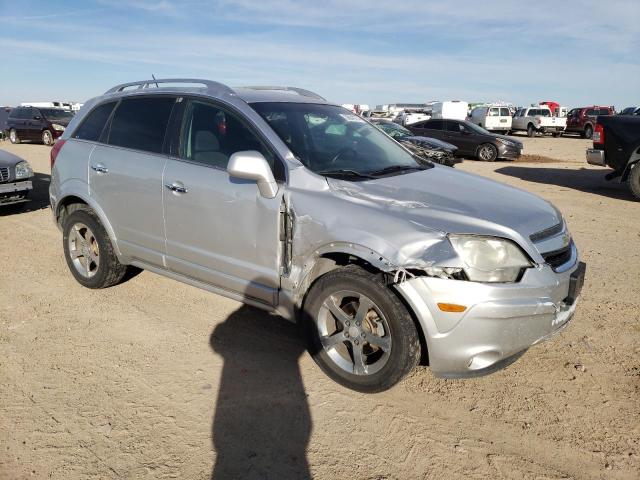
x=584, y=180
x=38, y=197
x=262, y=420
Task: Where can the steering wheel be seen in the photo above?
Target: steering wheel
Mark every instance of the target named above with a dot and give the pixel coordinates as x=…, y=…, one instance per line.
x=341, y=152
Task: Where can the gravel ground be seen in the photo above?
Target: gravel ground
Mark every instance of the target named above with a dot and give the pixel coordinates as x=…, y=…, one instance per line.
x=155, y=379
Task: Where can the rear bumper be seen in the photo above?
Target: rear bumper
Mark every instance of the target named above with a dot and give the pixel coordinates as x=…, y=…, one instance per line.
x=596, y=157
x=501, y=320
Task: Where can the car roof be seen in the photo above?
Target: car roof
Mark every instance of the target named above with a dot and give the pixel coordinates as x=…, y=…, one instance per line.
x=213, y=89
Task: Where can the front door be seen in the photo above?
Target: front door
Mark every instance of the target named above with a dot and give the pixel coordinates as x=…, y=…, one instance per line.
x=464, y=138
x=219, y=229
x=125, y=176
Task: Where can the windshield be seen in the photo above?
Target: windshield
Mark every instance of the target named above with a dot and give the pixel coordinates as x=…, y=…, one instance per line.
x=56, y=114
x=476, y=128
x=393, y=129
x=330, y=140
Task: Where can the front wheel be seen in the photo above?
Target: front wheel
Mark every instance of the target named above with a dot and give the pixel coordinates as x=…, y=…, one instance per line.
x=13, y=136
x=487, y=152
x=47, y=138
x=531, y=131
x=556, y=134
x=89, y=252
x=634, y=180
x=359, y=333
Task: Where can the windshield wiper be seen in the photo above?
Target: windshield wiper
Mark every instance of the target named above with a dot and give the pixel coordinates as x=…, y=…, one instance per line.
x=395, y=168
x=345, y=173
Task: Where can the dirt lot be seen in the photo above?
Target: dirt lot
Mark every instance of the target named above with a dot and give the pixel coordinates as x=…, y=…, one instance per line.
x=155, y=379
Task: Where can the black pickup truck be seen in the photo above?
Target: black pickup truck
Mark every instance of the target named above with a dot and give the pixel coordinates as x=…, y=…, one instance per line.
x=616, y=144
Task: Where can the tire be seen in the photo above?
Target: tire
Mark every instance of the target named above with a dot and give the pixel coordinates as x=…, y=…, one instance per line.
x=84, y=238
x=331, y=320
x=588, y=131
x=530, y=131
x=634, y=180
x=13, y=136
x=556, y=134
x=487, y=152
x=47, y=138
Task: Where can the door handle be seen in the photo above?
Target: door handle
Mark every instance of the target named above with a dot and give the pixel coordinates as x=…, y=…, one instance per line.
x=176, y=187
x=100, y=168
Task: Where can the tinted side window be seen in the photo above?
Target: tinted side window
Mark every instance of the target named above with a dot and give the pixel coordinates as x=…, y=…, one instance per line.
x=16, y=113
x=591, y=112
x=210, y=135
x=453, y=126
x=93, y=125
x=434, y=124
x=140, y=123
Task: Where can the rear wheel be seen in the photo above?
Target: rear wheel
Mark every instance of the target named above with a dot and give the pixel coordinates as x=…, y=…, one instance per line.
x=588, y=131
x=530, y=130
x=487, y=152
x=47, y=138
x=13, y=136
x=556, y=134
x=89, y=252
x=634, y=180
x=359, y=332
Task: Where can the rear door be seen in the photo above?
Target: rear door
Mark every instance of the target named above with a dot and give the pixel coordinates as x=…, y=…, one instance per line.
x=125, y=175
x=433, y=128
x=219, y=229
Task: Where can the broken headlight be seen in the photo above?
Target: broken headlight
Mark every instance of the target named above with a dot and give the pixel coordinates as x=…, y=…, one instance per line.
x=490, y=259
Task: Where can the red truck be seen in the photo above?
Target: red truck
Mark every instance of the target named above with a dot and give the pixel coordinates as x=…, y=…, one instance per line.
x=582, y=120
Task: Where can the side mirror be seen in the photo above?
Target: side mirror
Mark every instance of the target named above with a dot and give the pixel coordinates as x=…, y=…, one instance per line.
x=252, y=165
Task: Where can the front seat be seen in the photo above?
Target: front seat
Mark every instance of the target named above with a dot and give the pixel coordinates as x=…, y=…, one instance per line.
x=206, y=149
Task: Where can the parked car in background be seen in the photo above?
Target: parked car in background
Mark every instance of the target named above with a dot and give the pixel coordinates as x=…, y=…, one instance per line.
x=297, y=206
x=455, y=109
x=428, y=148
x=492, y=118
x=471, y=140
x=538, y=119
x=37, y=124
x=411, y=116
x=4, y=116
x=15, y=179
x=616, y=144
x=582, y=120
x=630, y=111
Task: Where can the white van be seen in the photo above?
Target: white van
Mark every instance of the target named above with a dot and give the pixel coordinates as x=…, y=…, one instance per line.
x=454, y=110
x=492, y=117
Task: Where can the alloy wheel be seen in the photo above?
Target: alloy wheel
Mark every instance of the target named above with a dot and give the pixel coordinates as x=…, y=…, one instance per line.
x=84, y=250
x=354, y=333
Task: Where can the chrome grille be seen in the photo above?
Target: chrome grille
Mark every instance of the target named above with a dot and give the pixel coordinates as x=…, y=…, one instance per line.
x=546, y=233
x=559, y=257
x=4, y=174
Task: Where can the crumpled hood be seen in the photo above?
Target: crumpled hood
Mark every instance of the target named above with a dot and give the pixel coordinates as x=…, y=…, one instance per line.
x=452, y=201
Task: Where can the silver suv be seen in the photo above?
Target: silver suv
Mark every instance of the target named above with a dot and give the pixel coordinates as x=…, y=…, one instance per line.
x=279, y=199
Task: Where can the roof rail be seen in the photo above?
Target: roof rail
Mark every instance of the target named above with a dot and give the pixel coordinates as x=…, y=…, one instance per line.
x=208, y=84
x=299, y=91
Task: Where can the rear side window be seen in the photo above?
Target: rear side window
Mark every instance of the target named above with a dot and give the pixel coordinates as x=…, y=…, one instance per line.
x=92, y=126
x=494, y=112
x=141, y=123
x=591, y=112
x=453, y=126
x=16, y=113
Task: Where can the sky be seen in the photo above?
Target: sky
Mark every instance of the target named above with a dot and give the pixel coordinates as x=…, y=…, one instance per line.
x=576, y=52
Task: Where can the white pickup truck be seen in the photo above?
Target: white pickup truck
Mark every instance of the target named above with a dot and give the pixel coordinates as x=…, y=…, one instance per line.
x=538, y=119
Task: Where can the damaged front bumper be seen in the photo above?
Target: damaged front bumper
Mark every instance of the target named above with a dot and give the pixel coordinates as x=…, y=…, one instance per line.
x=500, y=322
x=15, y=192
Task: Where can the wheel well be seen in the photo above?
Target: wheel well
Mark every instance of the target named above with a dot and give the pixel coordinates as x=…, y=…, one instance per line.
x=66, y=206
x=588, y=125
x=331, y=261
x=530, y=124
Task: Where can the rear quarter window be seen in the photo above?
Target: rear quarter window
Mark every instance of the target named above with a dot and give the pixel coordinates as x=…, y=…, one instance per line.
x=92, y=126
x=141, y=123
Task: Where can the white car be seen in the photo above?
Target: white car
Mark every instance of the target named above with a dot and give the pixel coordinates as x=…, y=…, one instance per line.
x=538, y=119
x=409, y=118
x=493, y=118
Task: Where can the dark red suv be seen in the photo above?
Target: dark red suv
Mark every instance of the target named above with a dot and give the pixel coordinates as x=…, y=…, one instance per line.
x=582, y=120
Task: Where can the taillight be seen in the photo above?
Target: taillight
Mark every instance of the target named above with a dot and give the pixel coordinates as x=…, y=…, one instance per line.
x=598, y=134
x=55, y=150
